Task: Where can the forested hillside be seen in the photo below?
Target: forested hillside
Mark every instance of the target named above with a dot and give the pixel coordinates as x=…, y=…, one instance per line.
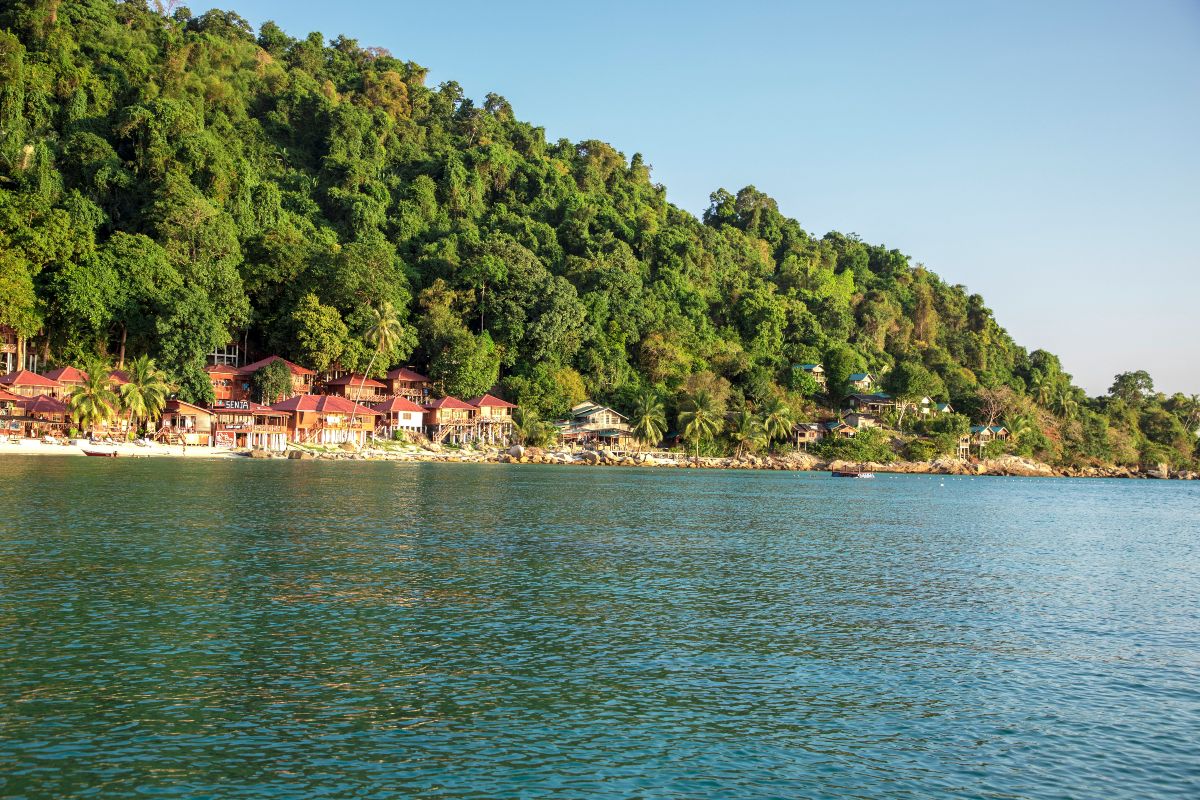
x=169, y=184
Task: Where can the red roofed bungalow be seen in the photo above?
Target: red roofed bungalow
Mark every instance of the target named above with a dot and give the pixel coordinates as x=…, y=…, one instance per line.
x=69, y=377
x=324, y=419
x=407, y=382
x=29, y=384
x=356, y=388
x=242, y=423
x=118, y=377
x=449, y=418
x=302, y=378
x=400, y=415
x=44, y=416
x=495, y=417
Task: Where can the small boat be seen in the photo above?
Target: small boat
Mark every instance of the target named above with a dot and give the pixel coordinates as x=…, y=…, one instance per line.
x=99, y=453
x=851, y=473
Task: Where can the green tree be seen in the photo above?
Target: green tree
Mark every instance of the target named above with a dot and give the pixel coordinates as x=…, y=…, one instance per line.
x=145, y=393
x=649, y=419
x=94, y=402
x=1132, y=387
x=320, y=333
x=909, y=382
x=777, y=421
x=699, y=419
x=746, y=430
x=272, y=382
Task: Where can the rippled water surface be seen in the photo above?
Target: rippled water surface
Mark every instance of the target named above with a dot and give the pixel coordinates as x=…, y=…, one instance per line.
x=374, y=630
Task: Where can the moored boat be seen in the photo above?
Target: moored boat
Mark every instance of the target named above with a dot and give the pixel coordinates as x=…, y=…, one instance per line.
x=851, y=473
x=99, y=453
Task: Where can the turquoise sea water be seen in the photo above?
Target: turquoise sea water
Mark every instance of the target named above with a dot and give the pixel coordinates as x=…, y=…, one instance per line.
x=252, y=629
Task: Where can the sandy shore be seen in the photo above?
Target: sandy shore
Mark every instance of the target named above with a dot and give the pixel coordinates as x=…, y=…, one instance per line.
x=33, y=447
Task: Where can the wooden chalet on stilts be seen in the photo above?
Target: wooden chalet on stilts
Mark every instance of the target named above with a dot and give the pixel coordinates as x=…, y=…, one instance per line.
x=449, y=419
x=241, y=423
x=494, y=418
x=324, y=419
x=399, y=415
x=186, y=424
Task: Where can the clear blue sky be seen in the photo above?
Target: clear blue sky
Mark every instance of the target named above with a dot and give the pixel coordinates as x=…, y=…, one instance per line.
x=1046, y=155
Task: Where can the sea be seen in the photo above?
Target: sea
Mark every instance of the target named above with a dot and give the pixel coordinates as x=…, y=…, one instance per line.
x=184, y=628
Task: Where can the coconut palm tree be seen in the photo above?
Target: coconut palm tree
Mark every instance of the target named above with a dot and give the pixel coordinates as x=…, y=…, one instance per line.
x=649, y=419
x=746, y=430
x=1066, y=405
x=145, y=395
x=698, y=418
x=1043, y=390
x=94, y=402
x=1020, y=426
x=777, y=420
x=529, y=427
x=384, y=330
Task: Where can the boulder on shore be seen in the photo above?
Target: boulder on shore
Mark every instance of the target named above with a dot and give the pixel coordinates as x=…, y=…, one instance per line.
x=516, y=451
x=259, y=453
x=300, y=455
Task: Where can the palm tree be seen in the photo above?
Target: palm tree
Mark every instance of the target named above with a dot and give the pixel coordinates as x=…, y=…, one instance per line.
x=529, y=427
x=746, y=430
x=1066, y=405
x=777, y=421
x=383, y=331
x=94, y=402
x=145, y=395
x=698, y=418
x=1043, y=390
x=649, y=419
x=1020, y=426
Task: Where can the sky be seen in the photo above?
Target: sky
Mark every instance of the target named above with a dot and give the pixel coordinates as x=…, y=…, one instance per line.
x=1044, y=155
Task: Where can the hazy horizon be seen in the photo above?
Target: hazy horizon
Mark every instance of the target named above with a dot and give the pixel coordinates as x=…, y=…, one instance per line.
x=1043, y=157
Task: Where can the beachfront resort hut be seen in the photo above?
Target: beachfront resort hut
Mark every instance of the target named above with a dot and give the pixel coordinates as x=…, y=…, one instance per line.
x=186, y=424
x=68, y=378
x=243, y=423
x=43, y=415
x=324, y=419
x=399, y=415
x=10, y=345
x=593, y=423
x=494, y=418
x=449, y=419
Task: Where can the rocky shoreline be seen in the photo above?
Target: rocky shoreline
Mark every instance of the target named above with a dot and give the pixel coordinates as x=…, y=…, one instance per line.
x=1011, y=466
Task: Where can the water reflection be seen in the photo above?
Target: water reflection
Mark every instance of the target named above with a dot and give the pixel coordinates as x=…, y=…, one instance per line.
x=265, y=629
